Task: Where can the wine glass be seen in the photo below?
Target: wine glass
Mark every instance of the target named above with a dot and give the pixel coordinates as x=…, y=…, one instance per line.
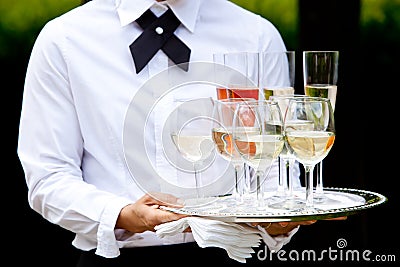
x=277, y=77
x=222, y=135
x=291, y=201
x=240, y=71
x=320, y=71
x=310, y=145
x=190, y=130
x=259, y=139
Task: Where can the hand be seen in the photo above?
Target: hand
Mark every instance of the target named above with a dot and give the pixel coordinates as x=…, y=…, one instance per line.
x=144, y=214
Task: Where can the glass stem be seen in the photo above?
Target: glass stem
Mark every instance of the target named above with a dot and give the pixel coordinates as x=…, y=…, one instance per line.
x=319, y=188
x=282, y=186
x=247, y=175
x=198, y=182
x=309, y=173
x=289, y=175
x=239, y=184
x=261, y=205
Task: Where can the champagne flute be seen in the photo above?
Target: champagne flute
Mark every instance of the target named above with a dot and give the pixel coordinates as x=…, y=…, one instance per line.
x=259, y=139
x=277, y=77
x=310, y=146
x=222, y=137
x=277, y=73
x=320, y=71
x=240, y=70
x=190, y=130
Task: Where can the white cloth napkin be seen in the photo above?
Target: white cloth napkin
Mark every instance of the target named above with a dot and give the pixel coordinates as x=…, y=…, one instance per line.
x=237, y=239
x=277, y=242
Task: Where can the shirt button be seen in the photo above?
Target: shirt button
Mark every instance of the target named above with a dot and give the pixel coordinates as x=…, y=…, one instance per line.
x=159, y=30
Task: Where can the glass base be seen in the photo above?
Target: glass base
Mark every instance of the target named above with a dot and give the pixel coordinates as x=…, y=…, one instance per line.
x=326, y=199
x=292, y=204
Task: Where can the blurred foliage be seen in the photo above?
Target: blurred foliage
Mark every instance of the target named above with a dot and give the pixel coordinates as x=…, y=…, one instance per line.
x=23, y=15
x=379, y=11
x=21, y=20
x=378, y=18
x=282, y=13
x=380, y=28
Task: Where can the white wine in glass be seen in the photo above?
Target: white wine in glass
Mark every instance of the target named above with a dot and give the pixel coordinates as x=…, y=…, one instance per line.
x=259, y=139
x=190, y=130
x=240, y=70
x=320, y=75
x=277, y=78
x=222, y=136
x=310, y=145
x=277, y=73
x=322, y=90
x=292, y=200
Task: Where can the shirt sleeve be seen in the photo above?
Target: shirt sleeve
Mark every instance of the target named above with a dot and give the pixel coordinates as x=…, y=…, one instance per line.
x=270, y=37
x=50, y=148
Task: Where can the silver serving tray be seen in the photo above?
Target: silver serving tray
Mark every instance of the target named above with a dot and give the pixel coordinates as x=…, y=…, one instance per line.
x=347, y=202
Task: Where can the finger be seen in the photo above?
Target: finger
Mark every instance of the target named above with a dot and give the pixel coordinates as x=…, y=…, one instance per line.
x=164, y=200
x=337, y=218
x=309, y=222
x=263, y=225
x=283, y=224
x=167, y=216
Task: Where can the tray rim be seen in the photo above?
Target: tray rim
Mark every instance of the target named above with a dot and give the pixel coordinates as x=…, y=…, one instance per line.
x=372, y=199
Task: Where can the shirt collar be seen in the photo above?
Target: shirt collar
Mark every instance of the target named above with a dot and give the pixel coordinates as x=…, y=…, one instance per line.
x=185, y=10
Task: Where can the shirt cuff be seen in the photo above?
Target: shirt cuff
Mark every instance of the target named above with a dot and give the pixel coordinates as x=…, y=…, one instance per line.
x=275, y=243
x=107, y=245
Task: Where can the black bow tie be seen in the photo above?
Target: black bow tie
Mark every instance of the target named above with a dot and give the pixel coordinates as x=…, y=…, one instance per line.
x=159, y=34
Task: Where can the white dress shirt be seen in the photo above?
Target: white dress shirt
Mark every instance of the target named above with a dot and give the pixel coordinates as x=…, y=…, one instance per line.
x=79, y=84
